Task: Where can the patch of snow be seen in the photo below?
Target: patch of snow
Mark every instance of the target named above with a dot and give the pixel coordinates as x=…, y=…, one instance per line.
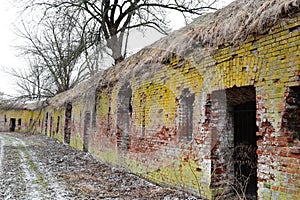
x=2, y=143
x=32, y=186
x=56, y=189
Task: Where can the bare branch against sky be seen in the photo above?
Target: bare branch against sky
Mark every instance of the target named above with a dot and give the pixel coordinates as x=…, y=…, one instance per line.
x=8, y=39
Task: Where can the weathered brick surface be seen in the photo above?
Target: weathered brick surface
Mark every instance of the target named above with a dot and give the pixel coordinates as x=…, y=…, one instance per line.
x=171, y=121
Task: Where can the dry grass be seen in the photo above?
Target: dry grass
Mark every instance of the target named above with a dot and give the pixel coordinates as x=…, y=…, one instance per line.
x=230, y=25
x=79, y=91
x=21, y=106
x=242, y=18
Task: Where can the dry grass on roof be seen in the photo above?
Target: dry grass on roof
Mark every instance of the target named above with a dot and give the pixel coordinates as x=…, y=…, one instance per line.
x=34, y=106
x=229, y=25
x=21, y=106
x=78, y=91
x=242, y=18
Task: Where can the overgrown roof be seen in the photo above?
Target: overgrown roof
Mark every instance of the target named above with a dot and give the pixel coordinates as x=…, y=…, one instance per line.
x=78, y=91
x=21, y=106
x=230, y=25
x=242, y=18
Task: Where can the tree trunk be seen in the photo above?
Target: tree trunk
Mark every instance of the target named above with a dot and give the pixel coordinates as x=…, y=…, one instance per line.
x=115, y=44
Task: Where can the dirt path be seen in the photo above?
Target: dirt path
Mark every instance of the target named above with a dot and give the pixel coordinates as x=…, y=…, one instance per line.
x=22, y=176
x=38, y=167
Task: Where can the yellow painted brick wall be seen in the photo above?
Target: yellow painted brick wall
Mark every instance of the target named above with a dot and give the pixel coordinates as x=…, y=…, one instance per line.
x=270, y=63
x=155, y=148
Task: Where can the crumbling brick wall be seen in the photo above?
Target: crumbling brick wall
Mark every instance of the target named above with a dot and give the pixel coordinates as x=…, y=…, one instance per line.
x=172, y=120
x=157, y=148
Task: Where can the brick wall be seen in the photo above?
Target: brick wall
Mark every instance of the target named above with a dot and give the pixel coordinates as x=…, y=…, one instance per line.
x=159, y=146
x=173, y=120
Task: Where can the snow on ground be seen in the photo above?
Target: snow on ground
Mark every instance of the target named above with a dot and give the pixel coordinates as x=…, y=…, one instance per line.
x=38, y=167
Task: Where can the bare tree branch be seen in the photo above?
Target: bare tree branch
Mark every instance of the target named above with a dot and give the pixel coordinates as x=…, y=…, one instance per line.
x=109, y=20
x=55, y=54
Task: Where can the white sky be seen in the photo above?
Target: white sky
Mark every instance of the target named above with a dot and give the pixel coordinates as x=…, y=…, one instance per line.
x=8, y=57
x=8, y=41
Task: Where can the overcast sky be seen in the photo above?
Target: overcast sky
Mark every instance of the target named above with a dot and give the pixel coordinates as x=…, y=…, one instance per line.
x=8, y=41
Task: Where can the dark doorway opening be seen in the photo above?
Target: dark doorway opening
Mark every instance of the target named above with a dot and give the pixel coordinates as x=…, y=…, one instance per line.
x=245, y=157
x=68, y=118
x=57, y=124
x=86, y=131
x=291, y=116
x=233, y=128
x=46, y=123
x=12, y=124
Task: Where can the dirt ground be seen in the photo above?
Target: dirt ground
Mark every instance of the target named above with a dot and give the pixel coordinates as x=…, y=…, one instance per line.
x=38, y=167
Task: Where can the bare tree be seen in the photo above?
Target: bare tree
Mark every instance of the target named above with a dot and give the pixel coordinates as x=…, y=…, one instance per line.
x=70, y=38
x=34, y=83
x=110, y=21
x=55, y=50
